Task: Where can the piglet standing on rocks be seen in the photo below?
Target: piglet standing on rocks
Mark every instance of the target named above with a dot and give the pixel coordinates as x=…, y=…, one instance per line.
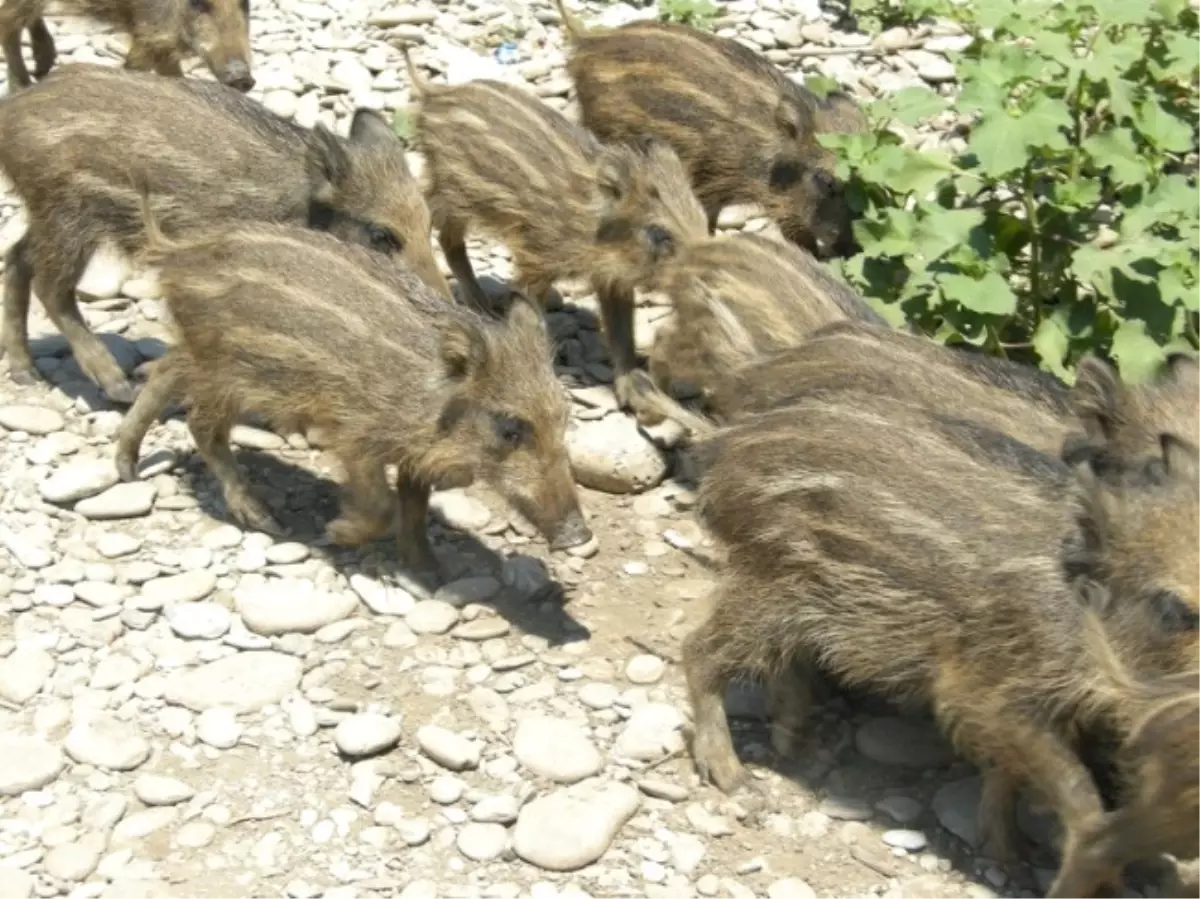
x=162, y=32
x=566, y=206
x=207, y=155
x=745, y=131
x=852, y=515
x=305, y=330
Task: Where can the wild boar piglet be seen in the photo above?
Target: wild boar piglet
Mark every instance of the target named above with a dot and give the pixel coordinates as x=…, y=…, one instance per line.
x=745, y=131
x=306, y=330
x=852, y=515
x=163, y=32
x=737, y=300
x=1159, y=809
x=209, y=157
x=498, y=158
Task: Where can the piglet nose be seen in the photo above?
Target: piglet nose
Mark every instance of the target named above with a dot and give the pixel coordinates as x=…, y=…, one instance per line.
x=237, y=75
x=660, y=238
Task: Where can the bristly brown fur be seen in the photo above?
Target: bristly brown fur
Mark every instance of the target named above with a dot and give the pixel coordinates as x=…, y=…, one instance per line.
x=207, y=155
x=738, y=300
x=499, y=160
x=306, y=330
x=743, y=129
x=162, y=32
x=1161, y=756
x=853, y=515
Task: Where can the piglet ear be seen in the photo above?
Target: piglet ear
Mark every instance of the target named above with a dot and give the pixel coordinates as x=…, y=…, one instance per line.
x=613, y=174
x=369, y=128
x=327, y=161
x=464, y=350
x=1180, y=458
x=1097, y=398
x=794, y=118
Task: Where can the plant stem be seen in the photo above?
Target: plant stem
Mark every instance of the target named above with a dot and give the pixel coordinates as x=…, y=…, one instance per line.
x=1035, y=237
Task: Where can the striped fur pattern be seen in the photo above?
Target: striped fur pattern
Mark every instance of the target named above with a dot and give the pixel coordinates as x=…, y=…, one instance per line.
x=744, y=130
x=852, y=515
x=162, y=33
x=1019, y=400
x=738, y=300
x=306, y=330
x=499, y=160
x=206, y=154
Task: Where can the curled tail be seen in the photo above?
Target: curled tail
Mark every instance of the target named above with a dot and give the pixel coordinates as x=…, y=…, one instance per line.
x=156, y=243
x=419, y=85
x=574, y=28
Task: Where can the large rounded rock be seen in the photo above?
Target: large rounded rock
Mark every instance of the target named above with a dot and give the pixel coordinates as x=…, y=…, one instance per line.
x=555, y=749
x=244, y=682
x=107, y=742
x=572, y=827
x=612, y=455
x=290, y=606
x=27, y=763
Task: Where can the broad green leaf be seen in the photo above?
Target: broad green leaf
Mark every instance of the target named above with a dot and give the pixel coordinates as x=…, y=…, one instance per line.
x=1093, y=265
x=941, y=231
x=1176, y=289
x=820, y=85
x=1162, y=129
x=890, y=312
x=1051, y=343
x=1043, y=123
x=1184, y=53
x=998, y=145
x=1078, y=194
x=1138, y=356
x=912, y=104
x=980, y=93
x=1121, y=12
x=990, y=295
x=1120, y=97
x=918, y=173
x=1110, y=59
x=402, y=125
x=1116, y=151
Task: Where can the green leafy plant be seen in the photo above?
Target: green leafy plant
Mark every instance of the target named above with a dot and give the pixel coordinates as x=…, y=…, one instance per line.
x=1067, y=217
x=697, y=13
x=402, y=124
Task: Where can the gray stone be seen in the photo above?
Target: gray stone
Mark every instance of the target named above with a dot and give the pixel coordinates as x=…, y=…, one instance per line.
x=898, y=741
x=459, y=510
x=468, y=590
x=131, y=500
x=573, y=826
x=645, y=669
x=448, y=749
x=366, y=734
x=612, y=455
x=290, y=606
x=77, y=860
x=16, y=884
x=555, y=749
x=245, y=682
x=156, y=789
x=653, y=730
x=496, y=810
x=27, y=763
x=218, y=727
x=78, y=480
x=482, y=842
x=790, y=888
x=431, y=616
x=190, y=586
x=107, y=742
x=382, y=599
x=955, y=805
x=23, y=672
x=198, y=620
x=910, y=840
x=31, y=419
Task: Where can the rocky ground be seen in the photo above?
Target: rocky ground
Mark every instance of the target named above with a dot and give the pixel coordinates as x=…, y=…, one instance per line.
x=187, y=709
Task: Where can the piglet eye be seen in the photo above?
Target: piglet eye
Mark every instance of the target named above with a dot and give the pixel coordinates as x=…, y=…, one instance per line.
x=199, y=5
x=384, y=239
x=510, y=430
x=1174, y=615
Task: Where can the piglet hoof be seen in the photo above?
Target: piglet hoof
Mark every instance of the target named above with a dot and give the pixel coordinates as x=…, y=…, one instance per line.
x=251, y=514
x=720, y=768
x=43, y=59
x=126, y=465
x=633, y=391
x=22, y=376
x=122, y=393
